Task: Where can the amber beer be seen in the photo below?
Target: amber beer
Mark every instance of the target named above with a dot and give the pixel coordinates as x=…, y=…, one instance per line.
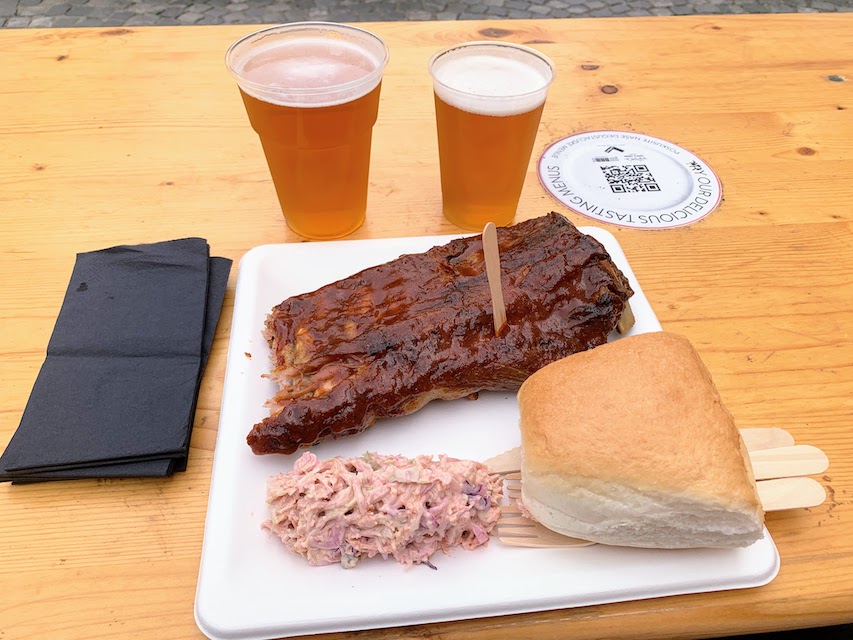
x=489, y=97
x=311, y=92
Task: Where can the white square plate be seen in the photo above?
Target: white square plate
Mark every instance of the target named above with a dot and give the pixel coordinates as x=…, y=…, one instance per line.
x=251, y=586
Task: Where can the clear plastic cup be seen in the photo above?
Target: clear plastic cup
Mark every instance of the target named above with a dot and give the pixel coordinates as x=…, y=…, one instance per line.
x=311, y=92
x=489, y=98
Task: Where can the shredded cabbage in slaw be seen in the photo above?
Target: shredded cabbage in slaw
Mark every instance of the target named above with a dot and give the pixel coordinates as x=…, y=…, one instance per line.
x=346, y=509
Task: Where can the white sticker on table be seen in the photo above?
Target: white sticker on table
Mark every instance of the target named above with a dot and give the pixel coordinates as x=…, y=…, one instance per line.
x=629, y=179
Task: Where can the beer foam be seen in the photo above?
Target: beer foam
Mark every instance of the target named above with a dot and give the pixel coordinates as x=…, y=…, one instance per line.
x=490, y=83
x=309, y=72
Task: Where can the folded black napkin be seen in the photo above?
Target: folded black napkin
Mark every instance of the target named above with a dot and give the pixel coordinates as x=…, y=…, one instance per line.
x=116, y=394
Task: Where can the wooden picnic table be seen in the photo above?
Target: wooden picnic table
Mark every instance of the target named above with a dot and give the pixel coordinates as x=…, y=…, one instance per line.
x=130, y=135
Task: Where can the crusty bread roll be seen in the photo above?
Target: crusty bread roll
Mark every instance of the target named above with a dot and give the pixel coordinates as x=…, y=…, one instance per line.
x=629, y=444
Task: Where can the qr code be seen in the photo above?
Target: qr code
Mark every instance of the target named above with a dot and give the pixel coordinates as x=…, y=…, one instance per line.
x=629, y=178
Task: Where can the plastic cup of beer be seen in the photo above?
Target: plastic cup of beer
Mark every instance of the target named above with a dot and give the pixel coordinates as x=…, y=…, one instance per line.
x=311, y=92
x=489, y=97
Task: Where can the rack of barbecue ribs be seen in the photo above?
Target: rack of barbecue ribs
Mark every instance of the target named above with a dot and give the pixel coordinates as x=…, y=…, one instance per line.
x=387, y=340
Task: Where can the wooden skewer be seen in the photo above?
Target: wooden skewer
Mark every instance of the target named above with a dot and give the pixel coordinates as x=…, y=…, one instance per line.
x=493, y=272
x=790, y=493
x=758, y=438
x=786, y=462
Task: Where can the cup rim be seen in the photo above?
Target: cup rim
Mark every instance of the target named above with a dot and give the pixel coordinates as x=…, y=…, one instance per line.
x=314, y=91
x=500, y=45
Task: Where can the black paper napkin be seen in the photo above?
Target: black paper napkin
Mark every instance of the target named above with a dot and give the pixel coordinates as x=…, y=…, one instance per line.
x=219, y=270
x=116, y=394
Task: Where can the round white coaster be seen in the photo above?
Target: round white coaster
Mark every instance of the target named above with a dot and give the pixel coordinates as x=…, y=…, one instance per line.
x=629, y=179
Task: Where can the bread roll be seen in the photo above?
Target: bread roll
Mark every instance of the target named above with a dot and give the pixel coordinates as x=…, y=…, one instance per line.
x=629, y=444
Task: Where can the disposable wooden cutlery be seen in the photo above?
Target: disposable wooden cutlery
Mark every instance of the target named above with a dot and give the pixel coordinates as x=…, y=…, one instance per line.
x=779, y=465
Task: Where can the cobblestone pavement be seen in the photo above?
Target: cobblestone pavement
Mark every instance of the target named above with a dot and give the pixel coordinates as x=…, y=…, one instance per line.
x=87, y=13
